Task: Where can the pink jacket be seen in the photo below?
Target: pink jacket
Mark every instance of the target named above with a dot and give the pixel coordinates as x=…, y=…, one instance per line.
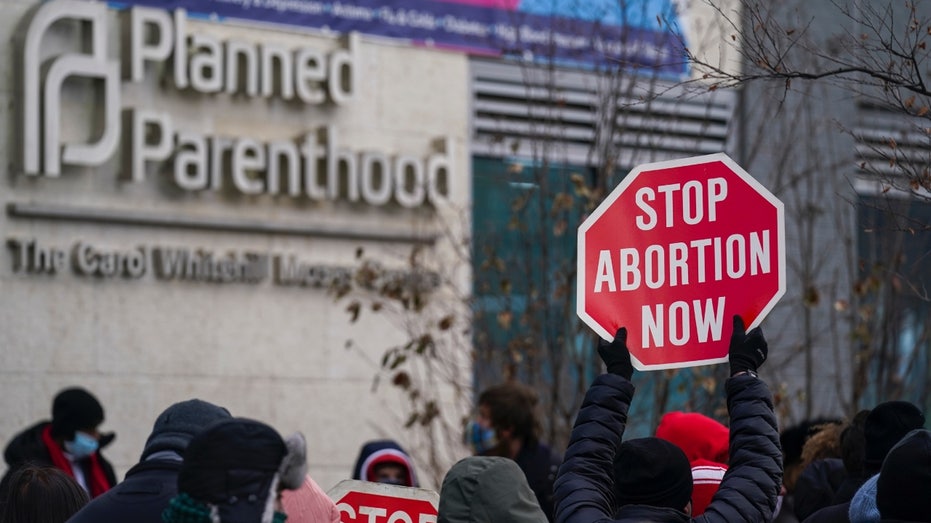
x=309, y=504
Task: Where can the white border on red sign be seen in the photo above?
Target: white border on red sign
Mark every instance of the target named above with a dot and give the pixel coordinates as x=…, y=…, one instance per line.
x=616, y=193
x=383, y=489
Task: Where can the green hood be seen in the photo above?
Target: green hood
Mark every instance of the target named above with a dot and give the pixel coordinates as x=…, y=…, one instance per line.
x=488, y=490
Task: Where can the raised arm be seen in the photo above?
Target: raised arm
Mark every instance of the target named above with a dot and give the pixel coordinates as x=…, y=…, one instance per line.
x=584, y=488
x=749, y=489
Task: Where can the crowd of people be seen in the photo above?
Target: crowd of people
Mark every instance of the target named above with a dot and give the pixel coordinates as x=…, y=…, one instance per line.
x=200, y=464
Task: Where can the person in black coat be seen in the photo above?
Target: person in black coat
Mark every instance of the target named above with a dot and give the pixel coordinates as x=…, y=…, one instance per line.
x=510, y=409
x=70, y=442
x=150, y=485
x=235, y=472
x=603, y=479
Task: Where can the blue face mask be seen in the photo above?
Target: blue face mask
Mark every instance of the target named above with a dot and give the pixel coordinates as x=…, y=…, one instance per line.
x=479, y=438
x=82, y=446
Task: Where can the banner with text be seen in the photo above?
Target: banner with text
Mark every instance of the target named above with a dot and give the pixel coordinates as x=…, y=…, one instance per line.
x=589, y=33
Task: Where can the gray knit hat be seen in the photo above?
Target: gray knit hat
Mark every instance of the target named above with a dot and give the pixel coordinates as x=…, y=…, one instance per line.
x=175, y=427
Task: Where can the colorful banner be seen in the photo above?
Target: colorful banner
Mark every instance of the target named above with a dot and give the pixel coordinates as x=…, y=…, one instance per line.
x=586, y=32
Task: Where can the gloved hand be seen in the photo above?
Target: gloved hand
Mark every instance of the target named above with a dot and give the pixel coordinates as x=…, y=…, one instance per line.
x=748, y=350
x=616, y=356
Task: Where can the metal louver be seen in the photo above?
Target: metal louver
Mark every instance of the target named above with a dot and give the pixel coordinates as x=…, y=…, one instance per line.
x=566, y=115
x=890, y=146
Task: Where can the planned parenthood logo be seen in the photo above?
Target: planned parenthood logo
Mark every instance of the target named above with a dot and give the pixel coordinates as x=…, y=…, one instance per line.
x=314, y=164
x=42, y=147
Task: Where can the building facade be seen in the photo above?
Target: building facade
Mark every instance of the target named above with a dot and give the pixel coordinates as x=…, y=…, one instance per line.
x=183, y=193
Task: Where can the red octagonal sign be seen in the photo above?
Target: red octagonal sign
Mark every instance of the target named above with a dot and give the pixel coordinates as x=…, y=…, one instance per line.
x=365, y=502
x=675, y=251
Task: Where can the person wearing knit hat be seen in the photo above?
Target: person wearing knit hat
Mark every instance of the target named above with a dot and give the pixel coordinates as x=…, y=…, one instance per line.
x=905, y=480
x=234, y=472
x=70, y=442
x=153, y=482
x=652, y=471
x=704, y=442
x=885, y=426
x=606, y=479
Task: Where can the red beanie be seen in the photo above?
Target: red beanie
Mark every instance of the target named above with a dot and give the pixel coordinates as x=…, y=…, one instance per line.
x=699, y=436
x=705, y=443
x=706, y=478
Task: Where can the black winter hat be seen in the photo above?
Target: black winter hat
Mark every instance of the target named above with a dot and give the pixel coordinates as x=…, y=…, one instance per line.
x=886, y=424
x=232, y=464
x=180, y=422
x=652, y=471
x=74, y=409
x=905, y=480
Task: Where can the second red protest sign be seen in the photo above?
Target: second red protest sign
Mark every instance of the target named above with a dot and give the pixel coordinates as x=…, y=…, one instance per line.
x=365, y=502
x=675, y=251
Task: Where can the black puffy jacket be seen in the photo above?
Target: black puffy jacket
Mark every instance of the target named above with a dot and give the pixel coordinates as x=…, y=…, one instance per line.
x=584, y=488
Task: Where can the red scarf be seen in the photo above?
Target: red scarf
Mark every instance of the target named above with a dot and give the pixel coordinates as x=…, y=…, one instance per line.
x=97, y=481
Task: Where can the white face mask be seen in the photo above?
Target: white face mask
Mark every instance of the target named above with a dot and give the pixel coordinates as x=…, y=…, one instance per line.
x=778, y=506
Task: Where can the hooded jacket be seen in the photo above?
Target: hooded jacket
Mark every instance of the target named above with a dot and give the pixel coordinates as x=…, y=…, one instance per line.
x=28, y=447
x=584, y=488
x=485, y=489
x=375, y=453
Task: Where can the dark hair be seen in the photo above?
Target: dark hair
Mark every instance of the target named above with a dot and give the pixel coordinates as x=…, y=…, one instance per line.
x=853, y=445
x=41, y=495
x=792, y=440
x=513, y=407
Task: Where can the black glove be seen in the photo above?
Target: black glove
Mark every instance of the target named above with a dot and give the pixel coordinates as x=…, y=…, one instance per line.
x=748, y=349
x=616, y=356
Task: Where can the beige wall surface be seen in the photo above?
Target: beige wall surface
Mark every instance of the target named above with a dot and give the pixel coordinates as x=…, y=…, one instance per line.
x=711, y=30
x=267, y=351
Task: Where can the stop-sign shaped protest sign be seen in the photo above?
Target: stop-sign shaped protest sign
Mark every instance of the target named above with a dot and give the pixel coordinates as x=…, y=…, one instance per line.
x=366, y=502
x=674, y=252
